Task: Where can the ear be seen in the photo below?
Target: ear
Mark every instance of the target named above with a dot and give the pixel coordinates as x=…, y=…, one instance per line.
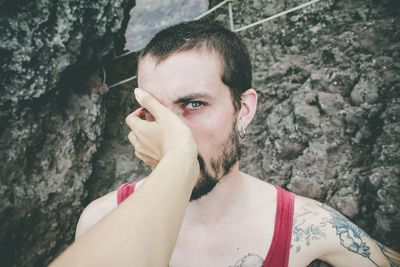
x=248, y=108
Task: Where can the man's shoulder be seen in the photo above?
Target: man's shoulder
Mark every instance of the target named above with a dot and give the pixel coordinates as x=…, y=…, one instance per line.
x=95, y=211
x=321, y=232
x=311, y=221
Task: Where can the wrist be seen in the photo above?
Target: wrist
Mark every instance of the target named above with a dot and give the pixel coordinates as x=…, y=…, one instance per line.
x=183, y=154
x=185, y=146
x=183, y=159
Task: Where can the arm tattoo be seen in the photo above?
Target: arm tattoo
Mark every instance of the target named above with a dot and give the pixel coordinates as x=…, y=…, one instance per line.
x=303, y=231
x=391, y=256
x=351, y=237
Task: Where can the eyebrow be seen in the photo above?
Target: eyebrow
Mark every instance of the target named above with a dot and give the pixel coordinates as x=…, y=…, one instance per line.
x=191, y=97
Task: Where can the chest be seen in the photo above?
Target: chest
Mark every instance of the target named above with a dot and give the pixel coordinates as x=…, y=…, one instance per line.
x=233, y=242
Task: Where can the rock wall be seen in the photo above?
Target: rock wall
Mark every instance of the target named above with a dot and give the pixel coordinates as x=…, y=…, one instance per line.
x=327, y=124
x=51, y=118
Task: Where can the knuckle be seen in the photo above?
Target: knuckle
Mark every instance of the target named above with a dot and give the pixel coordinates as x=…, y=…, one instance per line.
x=146, y=100
x=132, y=140
x=138, y=155
x=132, y=136
x=128, y=119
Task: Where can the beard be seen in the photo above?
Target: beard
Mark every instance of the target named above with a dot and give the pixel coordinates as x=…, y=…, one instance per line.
x=218, y=167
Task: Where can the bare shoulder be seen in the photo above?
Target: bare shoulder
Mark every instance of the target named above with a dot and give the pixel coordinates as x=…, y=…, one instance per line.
x=321, y=232
x=95, y=211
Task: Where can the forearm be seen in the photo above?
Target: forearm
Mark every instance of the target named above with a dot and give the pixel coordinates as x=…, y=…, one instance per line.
x=163, y=200
x=145, y=226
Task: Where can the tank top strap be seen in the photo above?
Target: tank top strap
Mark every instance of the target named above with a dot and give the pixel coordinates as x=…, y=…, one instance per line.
x=125, y=190
x=278, y=254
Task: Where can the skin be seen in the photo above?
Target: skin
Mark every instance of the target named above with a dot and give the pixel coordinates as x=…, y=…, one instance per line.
x=208, y=113
x=113, y=241
x=233, y=224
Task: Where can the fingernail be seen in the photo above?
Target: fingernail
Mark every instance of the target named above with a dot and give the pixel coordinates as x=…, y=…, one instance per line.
x=139, y=94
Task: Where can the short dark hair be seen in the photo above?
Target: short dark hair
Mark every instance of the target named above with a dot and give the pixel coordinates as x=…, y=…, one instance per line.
x=195, y=35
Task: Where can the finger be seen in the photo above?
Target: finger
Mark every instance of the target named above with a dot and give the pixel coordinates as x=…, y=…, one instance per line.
x=132, y=138
x=134, y=121
x=147, y=160
x=150, y=103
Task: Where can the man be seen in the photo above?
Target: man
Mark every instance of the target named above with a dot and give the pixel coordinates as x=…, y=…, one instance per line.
x=202, y=73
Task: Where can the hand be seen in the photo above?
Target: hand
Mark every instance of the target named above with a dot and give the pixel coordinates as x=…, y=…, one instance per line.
x=156, y=131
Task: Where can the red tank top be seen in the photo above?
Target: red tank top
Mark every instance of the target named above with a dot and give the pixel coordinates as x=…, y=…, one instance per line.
x=278, y=254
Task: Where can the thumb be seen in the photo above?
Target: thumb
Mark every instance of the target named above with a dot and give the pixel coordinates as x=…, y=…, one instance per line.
x=150, y=103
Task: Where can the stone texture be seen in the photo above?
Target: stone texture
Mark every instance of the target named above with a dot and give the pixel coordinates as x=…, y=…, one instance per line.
x=51, y=118
x=150, y=16
x=328, y=77
x=327, y=126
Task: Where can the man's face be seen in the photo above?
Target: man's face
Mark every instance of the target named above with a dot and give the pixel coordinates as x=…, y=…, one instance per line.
x=189, y=83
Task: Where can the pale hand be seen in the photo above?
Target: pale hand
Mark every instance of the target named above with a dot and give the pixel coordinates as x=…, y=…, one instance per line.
x=164, y=133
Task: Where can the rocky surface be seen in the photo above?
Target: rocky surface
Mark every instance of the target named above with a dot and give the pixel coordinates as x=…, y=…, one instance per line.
x=51, y=118
x=328, y=118
x=327, y=124
x=149, y=17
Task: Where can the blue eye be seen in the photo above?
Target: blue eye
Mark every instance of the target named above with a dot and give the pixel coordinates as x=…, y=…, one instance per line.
x=194, y=105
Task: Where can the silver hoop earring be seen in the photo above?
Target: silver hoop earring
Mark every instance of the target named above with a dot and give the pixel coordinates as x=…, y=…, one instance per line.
x=242, y=133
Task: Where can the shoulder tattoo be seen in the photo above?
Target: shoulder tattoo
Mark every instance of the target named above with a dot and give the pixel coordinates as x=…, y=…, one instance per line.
x=307, y=229
x=304, y=231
